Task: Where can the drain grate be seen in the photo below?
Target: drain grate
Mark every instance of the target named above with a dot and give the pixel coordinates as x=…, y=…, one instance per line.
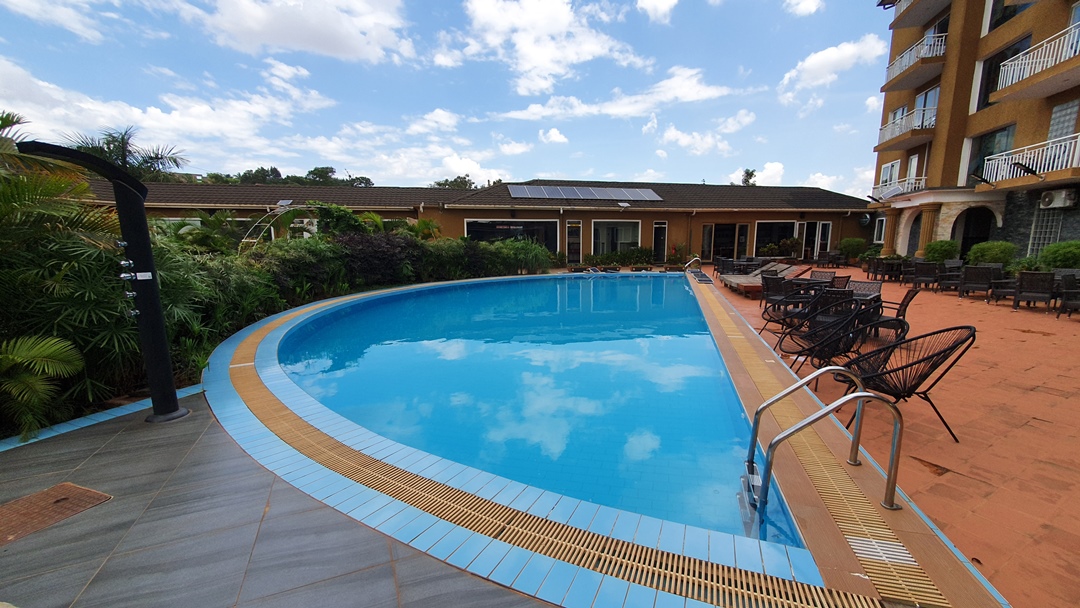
x=678, y=574
x=37, y=511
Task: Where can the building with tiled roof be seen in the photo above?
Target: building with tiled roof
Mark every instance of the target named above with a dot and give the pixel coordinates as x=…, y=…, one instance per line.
x=577, y=218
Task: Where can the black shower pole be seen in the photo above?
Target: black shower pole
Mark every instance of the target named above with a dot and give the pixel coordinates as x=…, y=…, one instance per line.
x=130, y=195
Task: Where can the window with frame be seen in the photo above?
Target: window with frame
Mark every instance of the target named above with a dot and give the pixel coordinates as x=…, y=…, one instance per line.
x=1000, y=13
x=613, y=235
x=890, y=173
x=992, y=69
x=879, y=230
x=988, y=144
x=926, y=108
x=771, y=233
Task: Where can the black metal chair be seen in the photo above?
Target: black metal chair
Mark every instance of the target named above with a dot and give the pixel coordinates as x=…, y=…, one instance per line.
x=865, y=290
x=898, y=309
x=912, y=367
x=1034, y=287
x=790, y=309
x=817, y=331
x=772, y=289
x=864, y=338
x=822, y=275
x=840, y=281
x=1070, y=295
x=926, y=275
x=976, y=278
x=950, y=274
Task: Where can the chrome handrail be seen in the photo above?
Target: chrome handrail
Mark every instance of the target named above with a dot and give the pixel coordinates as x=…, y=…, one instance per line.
x=687, y=265
x=861, y=396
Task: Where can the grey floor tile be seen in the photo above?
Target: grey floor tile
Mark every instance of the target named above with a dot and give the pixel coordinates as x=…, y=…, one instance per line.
x=203, y=571
x=371, y=588
x=22, y=486
x=287, y=500
x=89, y=535
x=54, y=589
x=305, y=548
x=198, y=510
x=424, y=581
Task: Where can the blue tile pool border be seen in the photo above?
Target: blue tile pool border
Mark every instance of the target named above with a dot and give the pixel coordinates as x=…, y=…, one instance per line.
x=369, y=505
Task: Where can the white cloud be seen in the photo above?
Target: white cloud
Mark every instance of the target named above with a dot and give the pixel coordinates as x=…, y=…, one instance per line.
x=510, y=147
x=659, y=11
x=650, y=127
x=682, y=86
x=696, y=143
x=280, y=77
x=352, y=31
x=803, y=8
x=641, y=445
x=863, y=181
x=661, y=153
x=542, y=41
x=552, y=136
x=649, y=175
x=435, y=120
x=742, y=118
x=873, y=104
x=812, y=105
x=845, y=129
x=80, y=17
x=823, y=67
x=771, y=175
x=820, y=180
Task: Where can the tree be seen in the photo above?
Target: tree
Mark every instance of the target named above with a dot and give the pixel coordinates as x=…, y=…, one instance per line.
x=262, y=175
x=461, y=182
x=748, y=176
x=153, y=164
x=321, y=176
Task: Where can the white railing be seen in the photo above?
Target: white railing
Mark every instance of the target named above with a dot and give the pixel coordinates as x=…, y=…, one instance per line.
x=921, y=118
x=1053, y=155
x=901, y=6
x=890, y=189
x=930, y=46
x=1048, y=53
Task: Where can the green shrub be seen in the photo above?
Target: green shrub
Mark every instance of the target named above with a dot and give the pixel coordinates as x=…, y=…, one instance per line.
x=873, y=252
x=1064, y=254
x=852, y=247
x=768, y=250
x=992, y=252
x=1027, y=263
x=939, y=251
x=380, y=259
x=791, y=247
x=442, y=260
x=306, y=270
x=523, y=256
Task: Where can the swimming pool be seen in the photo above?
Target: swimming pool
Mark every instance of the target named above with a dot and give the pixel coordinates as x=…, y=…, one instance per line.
x=605, y=388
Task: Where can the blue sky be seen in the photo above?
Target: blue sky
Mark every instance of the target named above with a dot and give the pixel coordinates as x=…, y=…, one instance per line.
x=410, y=92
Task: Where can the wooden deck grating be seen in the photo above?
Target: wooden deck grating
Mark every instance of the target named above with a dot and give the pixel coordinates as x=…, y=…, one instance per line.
x=893, y=571
x=678, y=574
x=37, y=511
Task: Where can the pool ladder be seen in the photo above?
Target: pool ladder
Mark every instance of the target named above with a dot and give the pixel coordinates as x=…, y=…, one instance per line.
x=756, y=487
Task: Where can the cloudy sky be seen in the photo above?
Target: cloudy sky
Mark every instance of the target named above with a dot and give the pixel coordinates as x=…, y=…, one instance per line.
x=408, y=92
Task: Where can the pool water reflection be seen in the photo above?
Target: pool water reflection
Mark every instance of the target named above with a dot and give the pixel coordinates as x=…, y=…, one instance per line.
x=604, y=388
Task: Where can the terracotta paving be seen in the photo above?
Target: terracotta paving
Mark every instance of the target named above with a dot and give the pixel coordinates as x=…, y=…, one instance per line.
x=1008, y=495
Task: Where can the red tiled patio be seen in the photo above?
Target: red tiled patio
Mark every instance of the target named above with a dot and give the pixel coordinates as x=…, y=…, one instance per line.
x=1008, y=495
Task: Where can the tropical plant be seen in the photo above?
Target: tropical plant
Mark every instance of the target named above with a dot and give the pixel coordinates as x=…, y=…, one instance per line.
x=1063, y=254
x=117, y=146
x=791, y=247
x=29, y=369
x=939, y=251
x=851, y=247
x=992, y=252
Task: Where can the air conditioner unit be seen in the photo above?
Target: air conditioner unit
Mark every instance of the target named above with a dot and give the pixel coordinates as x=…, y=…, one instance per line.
x=1057, y=199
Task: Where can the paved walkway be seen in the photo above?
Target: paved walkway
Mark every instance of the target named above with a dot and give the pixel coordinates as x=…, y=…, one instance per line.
x=194, y=521
x=1008, y=495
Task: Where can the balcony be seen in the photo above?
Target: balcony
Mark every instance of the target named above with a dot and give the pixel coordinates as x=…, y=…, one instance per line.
x=917, y=65
x=903, y=186
x=1053, y=161
x=916, y=13
x=910, y=130
x=1049, y=67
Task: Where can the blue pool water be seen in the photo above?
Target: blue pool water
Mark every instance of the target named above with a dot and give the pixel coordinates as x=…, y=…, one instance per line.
x=604, y=388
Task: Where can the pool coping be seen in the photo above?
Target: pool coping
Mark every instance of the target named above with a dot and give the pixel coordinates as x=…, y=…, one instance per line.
x=452, y=544
x=861, y=563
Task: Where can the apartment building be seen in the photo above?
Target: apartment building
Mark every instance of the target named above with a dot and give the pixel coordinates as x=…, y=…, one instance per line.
x=979, y=137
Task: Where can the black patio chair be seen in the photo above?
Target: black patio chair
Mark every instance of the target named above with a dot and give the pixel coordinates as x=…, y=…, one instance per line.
x=840, y=281
x=866, y=290
x=926, y=275
x=976, y=278
x=822, y=275
x=772, y=289
x=1034, y=287
x=898, y=310
x=817, y=331
x=790, y=309
x=1070, y=295
x=950, y=274
x=863, y=338
x=912, y=367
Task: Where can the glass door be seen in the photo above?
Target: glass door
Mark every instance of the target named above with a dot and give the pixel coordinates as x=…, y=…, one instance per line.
x=573, y=241
x=659, y=242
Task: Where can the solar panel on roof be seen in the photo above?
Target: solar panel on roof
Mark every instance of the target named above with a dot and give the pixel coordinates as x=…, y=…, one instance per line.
x=570, y=192
x=587, y=193
x=536, y=192
x=518, y=192
x=552, y=192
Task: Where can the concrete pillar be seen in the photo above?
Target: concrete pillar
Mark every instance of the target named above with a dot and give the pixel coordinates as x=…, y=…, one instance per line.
x=892, y=224
x=930, y=212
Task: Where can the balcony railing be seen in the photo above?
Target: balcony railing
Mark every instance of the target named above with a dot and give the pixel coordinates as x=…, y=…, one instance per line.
x=1053, y=155
x=921, y=118
x=900, y=7
x=1061, y=46
x=930, y=46
x=903, y=186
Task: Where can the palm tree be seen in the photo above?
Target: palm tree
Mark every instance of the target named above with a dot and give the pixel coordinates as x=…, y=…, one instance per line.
x=153, y=164
x=29, y=367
